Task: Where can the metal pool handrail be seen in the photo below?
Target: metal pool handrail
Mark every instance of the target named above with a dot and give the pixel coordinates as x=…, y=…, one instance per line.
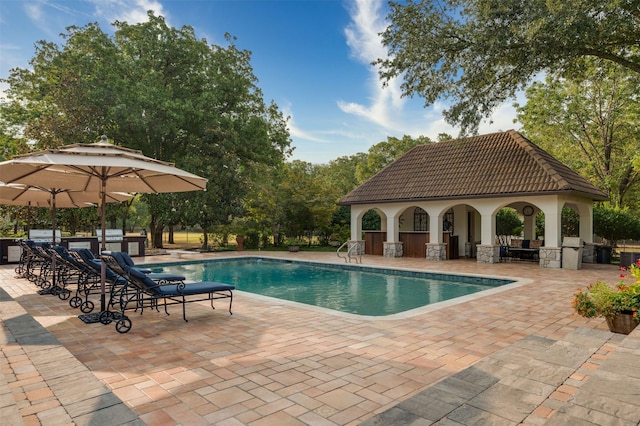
x=350, y=255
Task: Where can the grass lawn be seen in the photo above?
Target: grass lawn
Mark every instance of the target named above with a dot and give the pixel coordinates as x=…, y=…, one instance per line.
x=192, y=241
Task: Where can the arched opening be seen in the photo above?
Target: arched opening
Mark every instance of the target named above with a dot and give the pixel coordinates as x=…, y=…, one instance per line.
x=414, y=232
x=374, y=232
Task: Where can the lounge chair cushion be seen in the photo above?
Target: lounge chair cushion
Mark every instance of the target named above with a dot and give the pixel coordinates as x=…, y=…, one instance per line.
x=180, y=289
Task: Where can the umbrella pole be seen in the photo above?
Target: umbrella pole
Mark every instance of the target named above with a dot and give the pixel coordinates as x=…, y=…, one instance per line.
x=103, y=246
x=53, y=239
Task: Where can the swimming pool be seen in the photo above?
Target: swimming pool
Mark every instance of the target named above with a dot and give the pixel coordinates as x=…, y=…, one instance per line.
x=345, y=288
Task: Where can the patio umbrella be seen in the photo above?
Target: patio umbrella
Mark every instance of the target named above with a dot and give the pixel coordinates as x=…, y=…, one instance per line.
x=99, y=167
x=32, y=196
x=41, y=196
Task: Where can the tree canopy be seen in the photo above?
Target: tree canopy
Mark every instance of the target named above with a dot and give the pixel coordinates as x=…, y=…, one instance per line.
x=160, y=90
x=590, y=123
x=479, y=53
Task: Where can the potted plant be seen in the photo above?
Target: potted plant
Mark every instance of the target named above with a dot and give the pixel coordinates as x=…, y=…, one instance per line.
x=294, y=244
x=617, y=305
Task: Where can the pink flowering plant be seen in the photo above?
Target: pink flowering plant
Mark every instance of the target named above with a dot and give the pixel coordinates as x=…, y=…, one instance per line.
x=602, y=300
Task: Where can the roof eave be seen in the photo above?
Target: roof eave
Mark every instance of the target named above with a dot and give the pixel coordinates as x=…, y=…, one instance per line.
x=594, y=197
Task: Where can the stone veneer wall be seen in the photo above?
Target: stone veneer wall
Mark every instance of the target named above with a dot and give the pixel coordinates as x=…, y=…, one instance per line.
x=436, y=251
x=488, y=254
x=359, y=249
x=551, y=257
x=393, y=249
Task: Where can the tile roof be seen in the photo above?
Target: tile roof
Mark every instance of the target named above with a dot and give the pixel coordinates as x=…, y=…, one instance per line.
x=498, y=164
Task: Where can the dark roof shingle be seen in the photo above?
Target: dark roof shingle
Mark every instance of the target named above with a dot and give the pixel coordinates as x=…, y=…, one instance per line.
x=497, y=164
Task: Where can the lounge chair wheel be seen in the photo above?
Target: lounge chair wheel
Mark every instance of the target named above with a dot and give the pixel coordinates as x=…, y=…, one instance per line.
x=123, y=325
x=64, y=294
x=75, y=302
x=105, y=317
x=87, y=306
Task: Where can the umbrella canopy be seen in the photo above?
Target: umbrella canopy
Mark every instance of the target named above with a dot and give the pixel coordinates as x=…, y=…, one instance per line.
x=32, y=196
x=25, y=195
x=99, y=167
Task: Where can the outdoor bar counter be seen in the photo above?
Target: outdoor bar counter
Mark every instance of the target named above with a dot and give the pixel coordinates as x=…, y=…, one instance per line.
x=10, y=250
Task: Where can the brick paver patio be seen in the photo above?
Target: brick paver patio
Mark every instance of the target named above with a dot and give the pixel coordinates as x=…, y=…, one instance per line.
x=274, y=362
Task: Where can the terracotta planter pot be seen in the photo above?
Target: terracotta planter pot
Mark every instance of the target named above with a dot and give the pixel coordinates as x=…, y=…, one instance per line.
x=622, y=323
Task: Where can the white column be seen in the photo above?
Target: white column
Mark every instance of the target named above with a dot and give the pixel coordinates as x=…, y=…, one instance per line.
x=356, y=224
x=393, y=228
x=586, y=222
x=530, y=227
x=488, y=227
x=435, y=229
x=552, y=227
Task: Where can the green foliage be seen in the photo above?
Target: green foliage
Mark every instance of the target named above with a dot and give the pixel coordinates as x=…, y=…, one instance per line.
x=615, y=224
x=590, y=122
x=163, y=91
x=601, y=300
x=478, y=53
x=508, y=223
x=371, y=221
x=570, y=222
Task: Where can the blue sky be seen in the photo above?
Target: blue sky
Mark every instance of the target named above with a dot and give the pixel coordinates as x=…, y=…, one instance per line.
x=312, y=57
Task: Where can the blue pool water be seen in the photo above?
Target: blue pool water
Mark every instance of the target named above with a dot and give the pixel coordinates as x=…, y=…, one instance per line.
x=346, y=288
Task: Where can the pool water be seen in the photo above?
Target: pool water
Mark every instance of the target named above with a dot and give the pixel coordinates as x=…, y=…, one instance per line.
x=346, y=288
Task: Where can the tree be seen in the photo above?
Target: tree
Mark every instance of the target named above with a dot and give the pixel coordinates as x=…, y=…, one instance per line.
x=478, y=53
x=591, y=123
x=508, y=223
x=615, y=224
x=160, y=90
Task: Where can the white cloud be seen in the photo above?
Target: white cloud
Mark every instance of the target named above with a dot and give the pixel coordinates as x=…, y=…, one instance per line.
x=294, y=130
x=131, y=12
x=362, y=34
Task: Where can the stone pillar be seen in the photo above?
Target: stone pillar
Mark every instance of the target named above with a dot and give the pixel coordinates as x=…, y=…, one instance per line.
x=436, y=251
x=551, y=257
x=392, y=249
x=488, y=253
x=358, y=250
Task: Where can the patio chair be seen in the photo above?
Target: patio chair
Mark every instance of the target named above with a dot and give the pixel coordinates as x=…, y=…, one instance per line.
x=142, y=291
x=38, y=263
x=85, y=259
x=123, y=258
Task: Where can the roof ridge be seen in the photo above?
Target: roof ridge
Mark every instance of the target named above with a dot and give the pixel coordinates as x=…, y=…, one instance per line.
x=537, y=154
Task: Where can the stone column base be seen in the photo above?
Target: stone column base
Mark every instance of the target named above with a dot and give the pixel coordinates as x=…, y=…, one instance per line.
x=436, y=251
x=551, y=257
x=392, y=249
x=358, y=250
x=467, y=249
x=488, y=254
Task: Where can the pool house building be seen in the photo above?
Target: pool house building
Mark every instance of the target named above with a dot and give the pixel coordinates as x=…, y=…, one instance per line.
x=439, y=201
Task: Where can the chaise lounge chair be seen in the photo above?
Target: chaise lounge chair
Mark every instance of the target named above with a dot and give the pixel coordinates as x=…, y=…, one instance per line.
x=142, y=291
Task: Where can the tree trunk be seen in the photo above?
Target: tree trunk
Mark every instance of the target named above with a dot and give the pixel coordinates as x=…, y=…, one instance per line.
x=156, y=232
x=124, y=225
x=205, y=240
x=171, y=240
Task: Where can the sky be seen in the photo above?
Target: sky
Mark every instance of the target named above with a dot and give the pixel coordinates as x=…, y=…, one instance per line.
x=311, y=57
